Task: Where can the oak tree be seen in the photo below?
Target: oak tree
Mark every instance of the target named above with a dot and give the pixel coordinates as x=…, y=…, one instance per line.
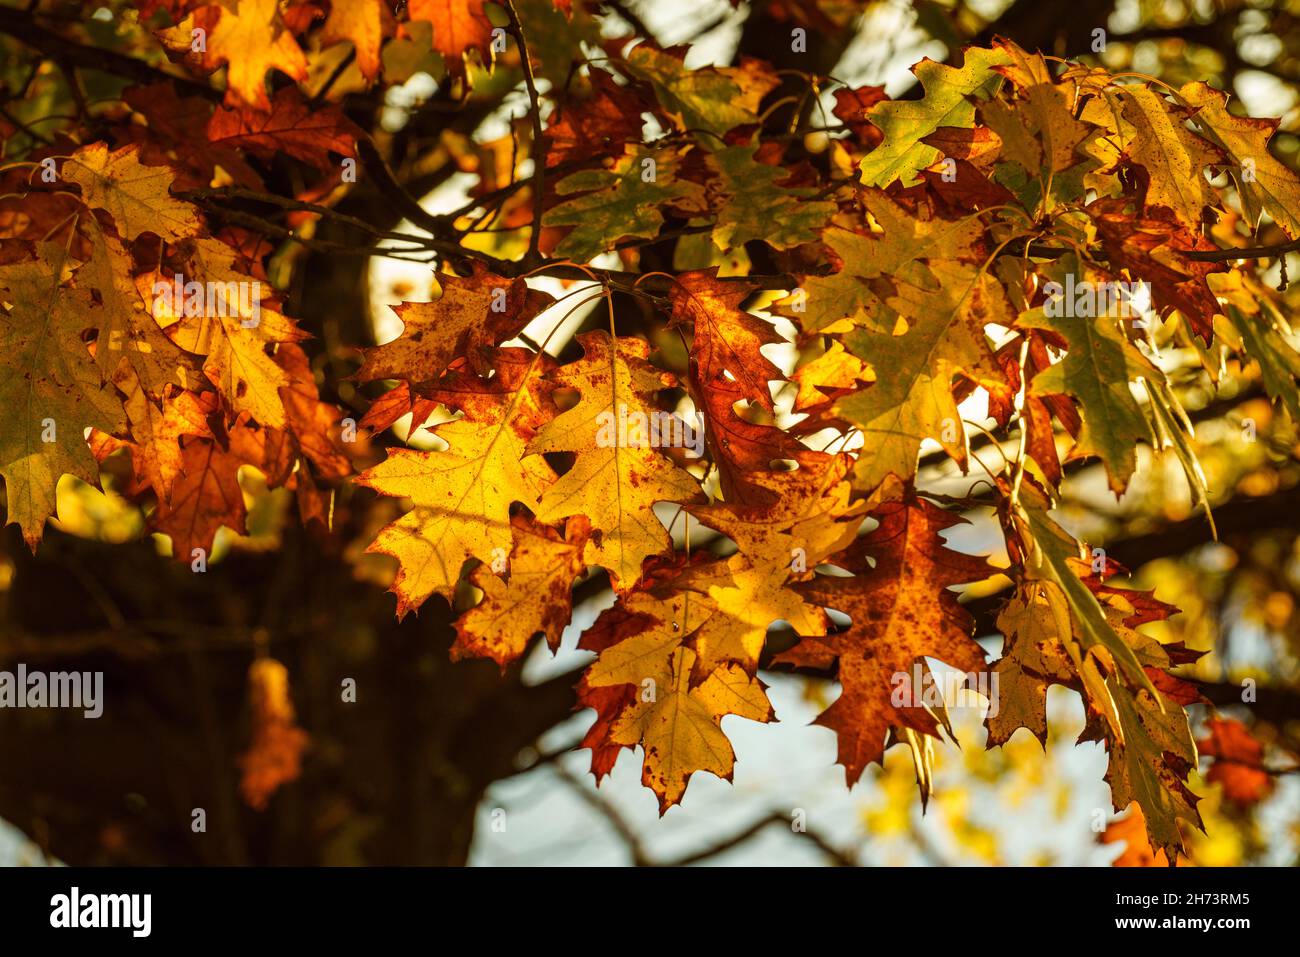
x=739, y=343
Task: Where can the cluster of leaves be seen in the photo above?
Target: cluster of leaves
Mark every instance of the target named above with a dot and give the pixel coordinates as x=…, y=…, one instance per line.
x=194, y=394
x=910, y=244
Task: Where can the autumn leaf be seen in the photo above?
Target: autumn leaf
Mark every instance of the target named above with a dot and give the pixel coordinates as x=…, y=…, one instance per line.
x=51, y=388
x=362, y=23
x=915, y=400
x=471, y=314
x=899, y=251
x=1154, y=249
x=461, y=496
x=851, y=106
x=904, y=123
x=251, y=38
x=1174, y=159
x=1053, y=560
x=777, y=545
x=677, y=725
x=459, y=27
x=1045, y=145
x=1032, y=658
x=235, y=329
x=204, y=491
x=536, y=596
x=901, y=610
x=1266, y=185
x=602, y=121
x=1239, y=761
x=157, y=455
x=291, y=125
x=175, y=134
x=729, y=368
x=617, y=476
x=137, y=197
x=836, y=371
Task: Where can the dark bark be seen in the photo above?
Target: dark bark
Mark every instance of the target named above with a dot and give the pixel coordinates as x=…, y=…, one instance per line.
x=393, y=778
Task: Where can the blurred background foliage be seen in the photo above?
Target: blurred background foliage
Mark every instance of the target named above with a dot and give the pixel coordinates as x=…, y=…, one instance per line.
x=419, y=769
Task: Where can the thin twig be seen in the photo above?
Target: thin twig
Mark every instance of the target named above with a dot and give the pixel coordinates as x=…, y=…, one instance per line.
x=539, y=147
x=1248, y=252
x=333, y=78
x=607, y=811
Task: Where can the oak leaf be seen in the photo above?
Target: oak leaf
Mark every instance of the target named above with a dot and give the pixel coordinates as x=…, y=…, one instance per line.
x=716, y=99
x=676, y=723
x=472, y=314
x=205, y=493
x=137, y=197
x=535, y=597
x=461, y=496
x=1266, y=184
x=1096, y=370
x=912, y=398
x=901, y=611
x=231, y=321
x=51, y=388
x=625, y=201
x=617, y=476
x=904, y=123
x=292, y=125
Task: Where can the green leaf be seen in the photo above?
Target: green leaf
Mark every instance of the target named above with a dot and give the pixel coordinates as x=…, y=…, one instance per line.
x=1174, y=429
x=904, y=123
x=710, y=98
x=1097, y=371
x=1279, y=362
x=757, y=208
x=1151, y=763
x=619, y=203
x=1054, y=547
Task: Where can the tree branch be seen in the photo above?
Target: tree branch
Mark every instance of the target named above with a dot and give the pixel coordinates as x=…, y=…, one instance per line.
x=1246, y=252
x=539, y=147
x=21, y=25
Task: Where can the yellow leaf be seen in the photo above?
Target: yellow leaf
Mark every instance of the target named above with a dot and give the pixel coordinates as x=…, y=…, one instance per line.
x=136, y=196
x=617, y=476
x=537, y=597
